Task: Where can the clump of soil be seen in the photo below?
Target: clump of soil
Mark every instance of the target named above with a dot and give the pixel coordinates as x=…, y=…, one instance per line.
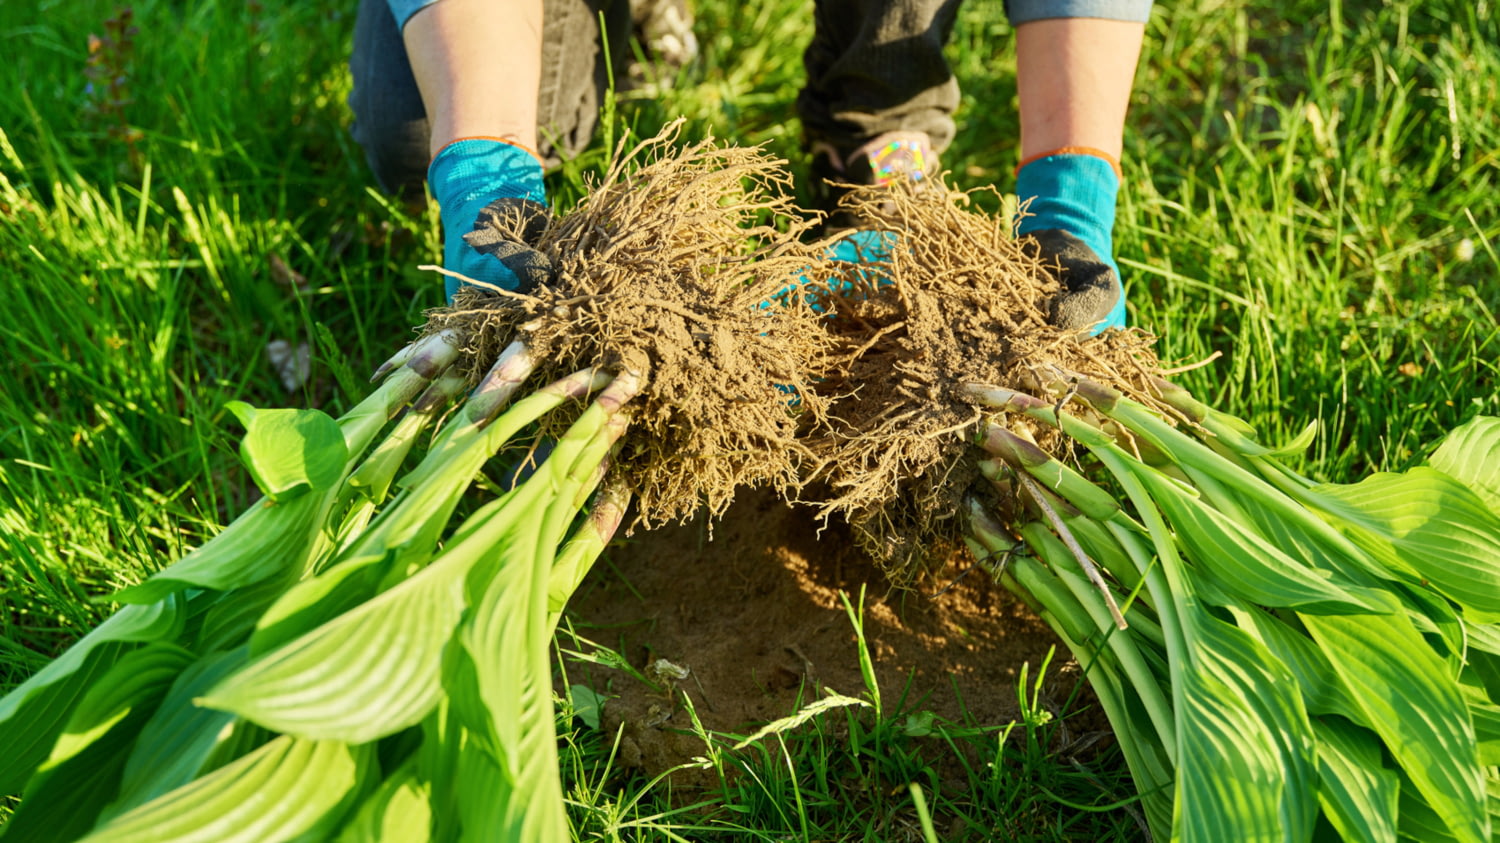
x=959, y=301
x=665, y=270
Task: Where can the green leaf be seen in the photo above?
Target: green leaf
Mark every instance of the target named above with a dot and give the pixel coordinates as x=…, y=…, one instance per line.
x=1322, y=692
x=368, y=673
x=290, y=452
x=70, y=790
x=137, y=682
x=1486, y=716
x=1426, y=522
x=399, y=811
x=499, y=677
x=588, y=704
x=286, y=788
x=802, y=715
x=1406, y=697
x=1470, y=454
x=33, y=714
x=317, y=600
x=1357, y=792
x=177, y=742
x=1245, y=747
x=1242, y=566
x=267, y=539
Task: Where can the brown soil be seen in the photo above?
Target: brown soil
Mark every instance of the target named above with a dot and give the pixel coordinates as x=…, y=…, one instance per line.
x=754, y=614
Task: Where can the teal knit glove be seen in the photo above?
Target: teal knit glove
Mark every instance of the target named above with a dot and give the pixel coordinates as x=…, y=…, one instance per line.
x=492, y=202
x=1069, y=221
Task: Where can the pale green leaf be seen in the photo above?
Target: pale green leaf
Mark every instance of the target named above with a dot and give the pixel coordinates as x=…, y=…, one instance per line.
x=368, y=673
x=72, y=788
x=317, y=600
x=829, y=702
x=34, y=713
x=1406, y=697
x=1242, y=566
x=1357, y=792
x=290, y=452
x=137, y=682
x=1470, y=454
x=1322, y=692
x=284, y=789
x=1426, y=522
x=265, y=540
x=176, y=743
x=398, y=811
x=1245, y=747
x=1486, y=716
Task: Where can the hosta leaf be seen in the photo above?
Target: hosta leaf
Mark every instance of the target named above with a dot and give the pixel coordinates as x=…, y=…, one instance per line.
x=68, y=791
x=136, y=683
x=266, y=539
x=1486, y=716
x=398, y=811
x=1357, y=792
x=1470, y=454
x=290, y=452
x=1245, y=747
x=1417, y=822
x=1242, y=566
x=287, y=788
x=315, y=601
x=1322, y=692
x=1427, y=522
x=1406, y=697
x=370, y=672
x=34, y=713
x=499, y=678
x=176, y=742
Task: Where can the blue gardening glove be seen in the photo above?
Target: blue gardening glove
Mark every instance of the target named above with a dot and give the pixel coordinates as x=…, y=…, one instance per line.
x=492, y=202
x=1069, y=221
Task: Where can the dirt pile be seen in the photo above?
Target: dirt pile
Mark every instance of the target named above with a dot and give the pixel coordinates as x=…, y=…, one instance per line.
x=753, y=614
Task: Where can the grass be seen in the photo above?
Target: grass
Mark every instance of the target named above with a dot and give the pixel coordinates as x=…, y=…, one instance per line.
x=1309, y=191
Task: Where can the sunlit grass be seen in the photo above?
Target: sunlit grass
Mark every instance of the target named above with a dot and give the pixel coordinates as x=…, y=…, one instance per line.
x=1309, y=191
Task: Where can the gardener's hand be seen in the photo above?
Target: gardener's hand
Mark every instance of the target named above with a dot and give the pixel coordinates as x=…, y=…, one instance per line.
x=1091, y=298
x=1069, y=203
x=492, y=201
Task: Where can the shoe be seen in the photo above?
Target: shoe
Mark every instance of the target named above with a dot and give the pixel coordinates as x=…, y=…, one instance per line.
x=885, y=159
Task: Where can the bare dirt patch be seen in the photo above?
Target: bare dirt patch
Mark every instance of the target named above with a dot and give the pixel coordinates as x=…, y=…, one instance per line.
x=754, y=614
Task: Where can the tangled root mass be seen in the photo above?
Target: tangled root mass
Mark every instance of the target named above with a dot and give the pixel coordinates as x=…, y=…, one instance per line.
x=666, y=269
x=682, y=265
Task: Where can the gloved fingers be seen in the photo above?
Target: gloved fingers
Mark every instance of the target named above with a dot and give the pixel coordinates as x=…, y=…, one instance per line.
x=531, y=268
x=1091, y=296
x=498, y=250
x=511, y=218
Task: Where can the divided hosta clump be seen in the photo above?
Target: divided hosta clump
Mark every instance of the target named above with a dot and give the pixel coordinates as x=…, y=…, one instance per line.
x=1281, y=660
x=339, y=664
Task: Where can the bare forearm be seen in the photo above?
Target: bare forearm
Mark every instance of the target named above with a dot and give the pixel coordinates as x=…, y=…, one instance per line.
x=478, y=66
x=1074, y=78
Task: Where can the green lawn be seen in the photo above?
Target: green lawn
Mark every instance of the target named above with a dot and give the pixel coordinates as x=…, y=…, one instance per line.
x=1309, y=191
